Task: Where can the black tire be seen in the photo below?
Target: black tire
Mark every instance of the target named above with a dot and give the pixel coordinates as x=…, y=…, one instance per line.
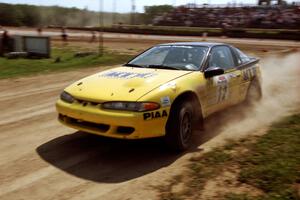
x=179, y=127
x=254, y=93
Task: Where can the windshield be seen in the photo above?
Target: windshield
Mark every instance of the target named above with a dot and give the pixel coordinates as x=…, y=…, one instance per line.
x=171, y=57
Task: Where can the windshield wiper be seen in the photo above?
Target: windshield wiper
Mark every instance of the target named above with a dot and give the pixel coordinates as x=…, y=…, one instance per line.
x=162, y=67
x=132, y=65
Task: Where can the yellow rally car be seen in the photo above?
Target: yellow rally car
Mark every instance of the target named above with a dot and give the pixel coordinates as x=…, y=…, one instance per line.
x=166, y=91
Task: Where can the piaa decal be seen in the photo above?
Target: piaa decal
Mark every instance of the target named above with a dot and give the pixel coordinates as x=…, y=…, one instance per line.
x=155, y=115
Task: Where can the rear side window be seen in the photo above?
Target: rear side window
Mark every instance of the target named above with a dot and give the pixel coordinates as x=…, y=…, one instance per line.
x=221, y=56
x=241, y=57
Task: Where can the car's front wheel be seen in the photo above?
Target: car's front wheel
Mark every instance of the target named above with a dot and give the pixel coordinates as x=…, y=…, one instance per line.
x=179, y=128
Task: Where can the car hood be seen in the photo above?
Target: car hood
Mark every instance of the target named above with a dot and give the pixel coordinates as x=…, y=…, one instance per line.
x=122, y=83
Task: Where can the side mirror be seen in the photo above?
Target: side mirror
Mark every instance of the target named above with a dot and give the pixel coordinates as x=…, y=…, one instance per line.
x=213, y=71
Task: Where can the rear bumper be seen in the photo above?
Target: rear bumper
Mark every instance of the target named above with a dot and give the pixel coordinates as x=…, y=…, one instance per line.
x=110, y=123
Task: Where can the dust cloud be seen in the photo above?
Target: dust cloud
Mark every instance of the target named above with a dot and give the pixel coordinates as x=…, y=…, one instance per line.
x=281, y=97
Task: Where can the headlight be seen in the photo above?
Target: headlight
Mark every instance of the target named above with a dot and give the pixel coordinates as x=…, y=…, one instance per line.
x=66, y=97
x=131, y=106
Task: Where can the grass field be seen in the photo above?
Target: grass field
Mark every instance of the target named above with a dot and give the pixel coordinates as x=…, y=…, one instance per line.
x=61, y=59
x=259, y=168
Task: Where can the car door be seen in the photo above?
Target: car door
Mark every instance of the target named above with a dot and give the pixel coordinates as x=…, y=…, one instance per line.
x=222, y=90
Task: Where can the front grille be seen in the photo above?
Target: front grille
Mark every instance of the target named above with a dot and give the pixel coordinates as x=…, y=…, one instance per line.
x=84, y=124
x=85, y=102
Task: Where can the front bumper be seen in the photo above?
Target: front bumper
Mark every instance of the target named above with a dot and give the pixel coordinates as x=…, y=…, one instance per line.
x=111, y=123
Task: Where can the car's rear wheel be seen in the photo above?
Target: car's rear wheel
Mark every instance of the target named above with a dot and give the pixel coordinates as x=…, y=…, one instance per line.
x=254, y=93
x=179, y=128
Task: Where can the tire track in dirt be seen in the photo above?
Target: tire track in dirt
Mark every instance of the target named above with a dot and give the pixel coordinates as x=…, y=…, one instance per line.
x=27, y=113
x=13, y=95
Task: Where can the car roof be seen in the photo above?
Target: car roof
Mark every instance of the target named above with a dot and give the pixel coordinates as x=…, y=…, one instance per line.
x=208, y=44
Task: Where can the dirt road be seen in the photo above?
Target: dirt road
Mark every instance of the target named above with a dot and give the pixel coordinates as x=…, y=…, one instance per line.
x=41, y=159
x=139, y=40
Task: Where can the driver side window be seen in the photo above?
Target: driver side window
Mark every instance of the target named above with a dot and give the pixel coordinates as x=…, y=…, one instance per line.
x=221, y=56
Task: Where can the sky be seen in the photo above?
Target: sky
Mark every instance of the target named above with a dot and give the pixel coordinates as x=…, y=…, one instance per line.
x=121, y=5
